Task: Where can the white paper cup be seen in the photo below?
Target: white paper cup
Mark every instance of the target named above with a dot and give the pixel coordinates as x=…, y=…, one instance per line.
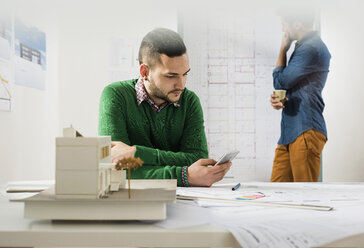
x=281, y=94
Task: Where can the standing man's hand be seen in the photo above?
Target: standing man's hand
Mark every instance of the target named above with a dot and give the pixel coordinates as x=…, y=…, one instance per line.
x=276, y=103
x=286, y=42
x=201, y=175
x=120, y=150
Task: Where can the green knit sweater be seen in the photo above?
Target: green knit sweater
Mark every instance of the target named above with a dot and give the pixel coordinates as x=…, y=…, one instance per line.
x=165, y=141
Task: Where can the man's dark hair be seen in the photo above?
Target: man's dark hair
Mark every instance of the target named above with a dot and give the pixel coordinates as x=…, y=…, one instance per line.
x=160, y=41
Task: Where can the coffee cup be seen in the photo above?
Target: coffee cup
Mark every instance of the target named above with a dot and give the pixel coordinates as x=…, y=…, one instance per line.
x=281, y=94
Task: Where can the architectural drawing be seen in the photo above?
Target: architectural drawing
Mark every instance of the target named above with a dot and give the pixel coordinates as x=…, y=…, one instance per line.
x=232, y=58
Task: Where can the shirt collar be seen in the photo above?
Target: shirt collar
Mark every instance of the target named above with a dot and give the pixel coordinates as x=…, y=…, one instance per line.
x=306, y=37
x=142, y=95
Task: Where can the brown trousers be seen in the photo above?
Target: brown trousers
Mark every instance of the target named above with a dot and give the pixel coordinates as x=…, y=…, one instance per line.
x=300, y=160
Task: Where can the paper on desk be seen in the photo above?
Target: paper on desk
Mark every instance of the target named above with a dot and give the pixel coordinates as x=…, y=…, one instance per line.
x=267, y=227
x=28, y=186
x=185, y=215
x=14, y=196
x=19, y=196
x=293, y=229
x=270, y=228
x=297, y=193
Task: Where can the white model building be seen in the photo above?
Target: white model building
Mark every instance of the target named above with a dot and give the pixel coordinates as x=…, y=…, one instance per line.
x=117, y=179
x=84, y=174
x=83, y=166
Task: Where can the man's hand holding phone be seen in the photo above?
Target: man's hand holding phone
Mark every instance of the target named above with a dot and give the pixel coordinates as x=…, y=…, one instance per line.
x=200, y=174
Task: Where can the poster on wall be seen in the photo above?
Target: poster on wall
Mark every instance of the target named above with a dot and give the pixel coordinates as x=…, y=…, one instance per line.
x=5, y=37
x=5, y=87
x=30, y=55
x=124, y=63
x=5, y=61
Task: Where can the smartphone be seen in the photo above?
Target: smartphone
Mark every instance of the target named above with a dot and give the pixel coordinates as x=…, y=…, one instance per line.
x=227, y=157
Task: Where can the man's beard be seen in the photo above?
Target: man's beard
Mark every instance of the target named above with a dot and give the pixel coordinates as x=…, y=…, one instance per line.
x=156, y=92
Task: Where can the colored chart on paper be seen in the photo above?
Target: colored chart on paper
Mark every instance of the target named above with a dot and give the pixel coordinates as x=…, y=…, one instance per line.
x=5, y=83
x=250, y=197
x=5, y=88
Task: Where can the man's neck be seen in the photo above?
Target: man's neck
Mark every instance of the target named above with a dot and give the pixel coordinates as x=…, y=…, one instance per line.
x=302, y=34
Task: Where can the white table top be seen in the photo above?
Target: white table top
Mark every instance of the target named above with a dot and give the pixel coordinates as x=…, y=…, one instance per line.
x=15, y=231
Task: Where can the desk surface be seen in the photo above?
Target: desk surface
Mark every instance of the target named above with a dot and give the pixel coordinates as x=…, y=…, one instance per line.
x=15, y=231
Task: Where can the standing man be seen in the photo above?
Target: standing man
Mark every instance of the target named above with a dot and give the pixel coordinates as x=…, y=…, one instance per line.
x=303, y=130
x=157, y=119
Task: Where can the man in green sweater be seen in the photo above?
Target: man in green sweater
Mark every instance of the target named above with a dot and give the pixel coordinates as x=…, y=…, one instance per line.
x=157, y=119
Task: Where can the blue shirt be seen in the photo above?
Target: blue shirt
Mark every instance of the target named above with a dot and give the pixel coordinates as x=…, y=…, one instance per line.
x=304, y=78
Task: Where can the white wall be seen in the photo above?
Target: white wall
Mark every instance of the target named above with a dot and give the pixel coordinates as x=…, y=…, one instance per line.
x=78, y=40
x=85, y=33
x=342, y=30
x=27, y=132
x=83, y=74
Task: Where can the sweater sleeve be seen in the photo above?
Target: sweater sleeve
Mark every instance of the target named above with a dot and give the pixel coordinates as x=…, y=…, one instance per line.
x=193, y=144
x=158, y=172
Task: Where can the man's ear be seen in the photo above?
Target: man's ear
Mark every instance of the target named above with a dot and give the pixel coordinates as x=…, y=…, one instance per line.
x=144, y=71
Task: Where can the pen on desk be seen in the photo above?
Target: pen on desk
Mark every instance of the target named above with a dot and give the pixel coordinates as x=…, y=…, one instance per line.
x=235, y=187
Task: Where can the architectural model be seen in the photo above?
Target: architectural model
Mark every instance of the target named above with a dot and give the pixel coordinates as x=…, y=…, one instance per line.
x=84, y=168
x=89, y=187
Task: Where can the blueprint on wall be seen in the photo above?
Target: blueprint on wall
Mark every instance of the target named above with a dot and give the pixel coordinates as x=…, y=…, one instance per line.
x=232, y=58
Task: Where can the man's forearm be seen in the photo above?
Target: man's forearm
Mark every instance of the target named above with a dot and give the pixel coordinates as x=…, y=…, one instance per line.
x=282, y=58
x=158, y=172
x=154, y=156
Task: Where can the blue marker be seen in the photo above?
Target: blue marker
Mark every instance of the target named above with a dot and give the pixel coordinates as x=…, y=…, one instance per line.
x=235, y=187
